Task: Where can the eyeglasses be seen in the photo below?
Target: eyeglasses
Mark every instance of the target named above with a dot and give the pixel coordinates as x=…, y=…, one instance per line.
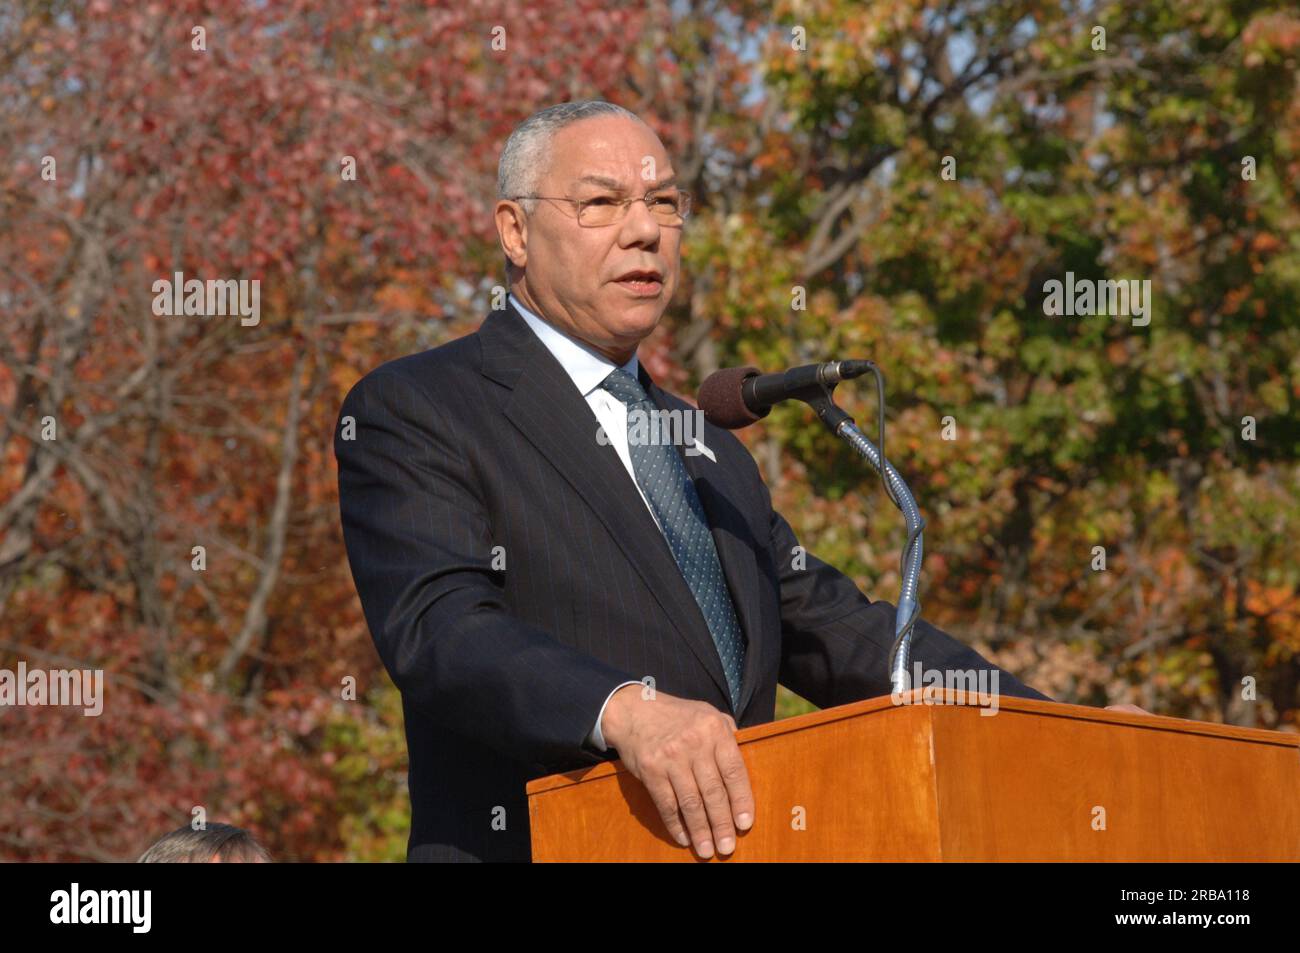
x=667, y=208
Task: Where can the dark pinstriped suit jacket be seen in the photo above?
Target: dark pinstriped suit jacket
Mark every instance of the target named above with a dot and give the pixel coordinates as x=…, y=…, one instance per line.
x=486, y=442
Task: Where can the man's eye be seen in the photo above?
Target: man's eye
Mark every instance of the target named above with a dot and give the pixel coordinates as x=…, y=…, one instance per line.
x=600, y=201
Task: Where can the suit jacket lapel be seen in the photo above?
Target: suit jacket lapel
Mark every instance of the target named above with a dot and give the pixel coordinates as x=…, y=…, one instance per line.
x=550, y=413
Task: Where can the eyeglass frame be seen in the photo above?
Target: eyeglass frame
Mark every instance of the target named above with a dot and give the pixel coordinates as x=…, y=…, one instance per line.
x=624, y=203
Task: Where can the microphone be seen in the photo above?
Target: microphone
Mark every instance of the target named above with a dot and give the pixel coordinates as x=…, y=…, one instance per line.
x=736, y=397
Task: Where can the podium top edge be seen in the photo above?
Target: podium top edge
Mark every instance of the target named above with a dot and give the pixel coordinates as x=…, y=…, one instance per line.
x=952, y=700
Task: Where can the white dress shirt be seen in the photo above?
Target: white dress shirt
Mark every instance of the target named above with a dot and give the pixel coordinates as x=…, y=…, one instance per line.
x=589, y=368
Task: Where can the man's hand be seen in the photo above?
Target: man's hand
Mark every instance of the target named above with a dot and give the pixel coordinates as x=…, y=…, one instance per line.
x=1131, y=709
x=686, y=755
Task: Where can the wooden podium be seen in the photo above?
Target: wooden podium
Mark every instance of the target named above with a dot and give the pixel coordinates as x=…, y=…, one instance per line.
x=1031, y=781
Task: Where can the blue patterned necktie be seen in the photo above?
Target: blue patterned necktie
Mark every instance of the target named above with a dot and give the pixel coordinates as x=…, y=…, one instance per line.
x=663, y=479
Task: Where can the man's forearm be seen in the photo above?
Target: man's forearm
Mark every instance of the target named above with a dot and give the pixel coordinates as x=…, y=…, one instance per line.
x=836, y=642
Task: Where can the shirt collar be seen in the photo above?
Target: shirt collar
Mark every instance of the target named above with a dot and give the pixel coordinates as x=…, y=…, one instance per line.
x=587, y=367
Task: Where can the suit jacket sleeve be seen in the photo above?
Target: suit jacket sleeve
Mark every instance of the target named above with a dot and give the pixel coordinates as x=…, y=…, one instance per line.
x=419, y=543
x=835, y=642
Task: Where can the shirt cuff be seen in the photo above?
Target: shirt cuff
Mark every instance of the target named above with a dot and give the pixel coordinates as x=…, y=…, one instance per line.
x=596, y=738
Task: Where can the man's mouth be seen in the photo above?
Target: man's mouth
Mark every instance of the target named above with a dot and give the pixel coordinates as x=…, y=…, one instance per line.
x=642, y=283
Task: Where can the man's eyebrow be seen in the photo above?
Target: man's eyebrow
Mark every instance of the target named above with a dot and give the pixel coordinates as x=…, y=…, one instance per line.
x=617, y=186
x=603, y=181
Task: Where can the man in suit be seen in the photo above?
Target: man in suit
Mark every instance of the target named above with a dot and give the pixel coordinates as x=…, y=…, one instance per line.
x=525, y=562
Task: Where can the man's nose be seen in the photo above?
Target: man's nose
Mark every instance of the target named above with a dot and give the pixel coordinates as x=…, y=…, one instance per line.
x=639, y=225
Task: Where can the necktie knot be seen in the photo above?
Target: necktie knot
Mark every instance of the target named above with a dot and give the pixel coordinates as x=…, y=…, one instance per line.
x=624, y=387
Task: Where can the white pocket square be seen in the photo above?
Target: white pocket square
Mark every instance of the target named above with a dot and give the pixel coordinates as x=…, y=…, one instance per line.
x=697, y=447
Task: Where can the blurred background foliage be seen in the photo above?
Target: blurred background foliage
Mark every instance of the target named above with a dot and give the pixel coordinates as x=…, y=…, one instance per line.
x=813, y=135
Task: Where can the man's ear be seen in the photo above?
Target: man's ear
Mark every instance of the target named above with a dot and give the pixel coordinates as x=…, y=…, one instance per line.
x=512, y=231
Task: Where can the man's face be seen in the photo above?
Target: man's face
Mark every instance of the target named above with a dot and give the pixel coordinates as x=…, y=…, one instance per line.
x=571, y=273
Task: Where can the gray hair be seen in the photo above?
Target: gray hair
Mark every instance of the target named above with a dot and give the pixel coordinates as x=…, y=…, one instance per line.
x=525, y=158
x=188, y=846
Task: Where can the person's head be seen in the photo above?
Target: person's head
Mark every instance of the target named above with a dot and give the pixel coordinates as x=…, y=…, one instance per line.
x=569, y=273
x=215, y=844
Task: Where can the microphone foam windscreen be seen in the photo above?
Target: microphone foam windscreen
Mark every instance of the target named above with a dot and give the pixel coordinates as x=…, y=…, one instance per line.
x=720, y=398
